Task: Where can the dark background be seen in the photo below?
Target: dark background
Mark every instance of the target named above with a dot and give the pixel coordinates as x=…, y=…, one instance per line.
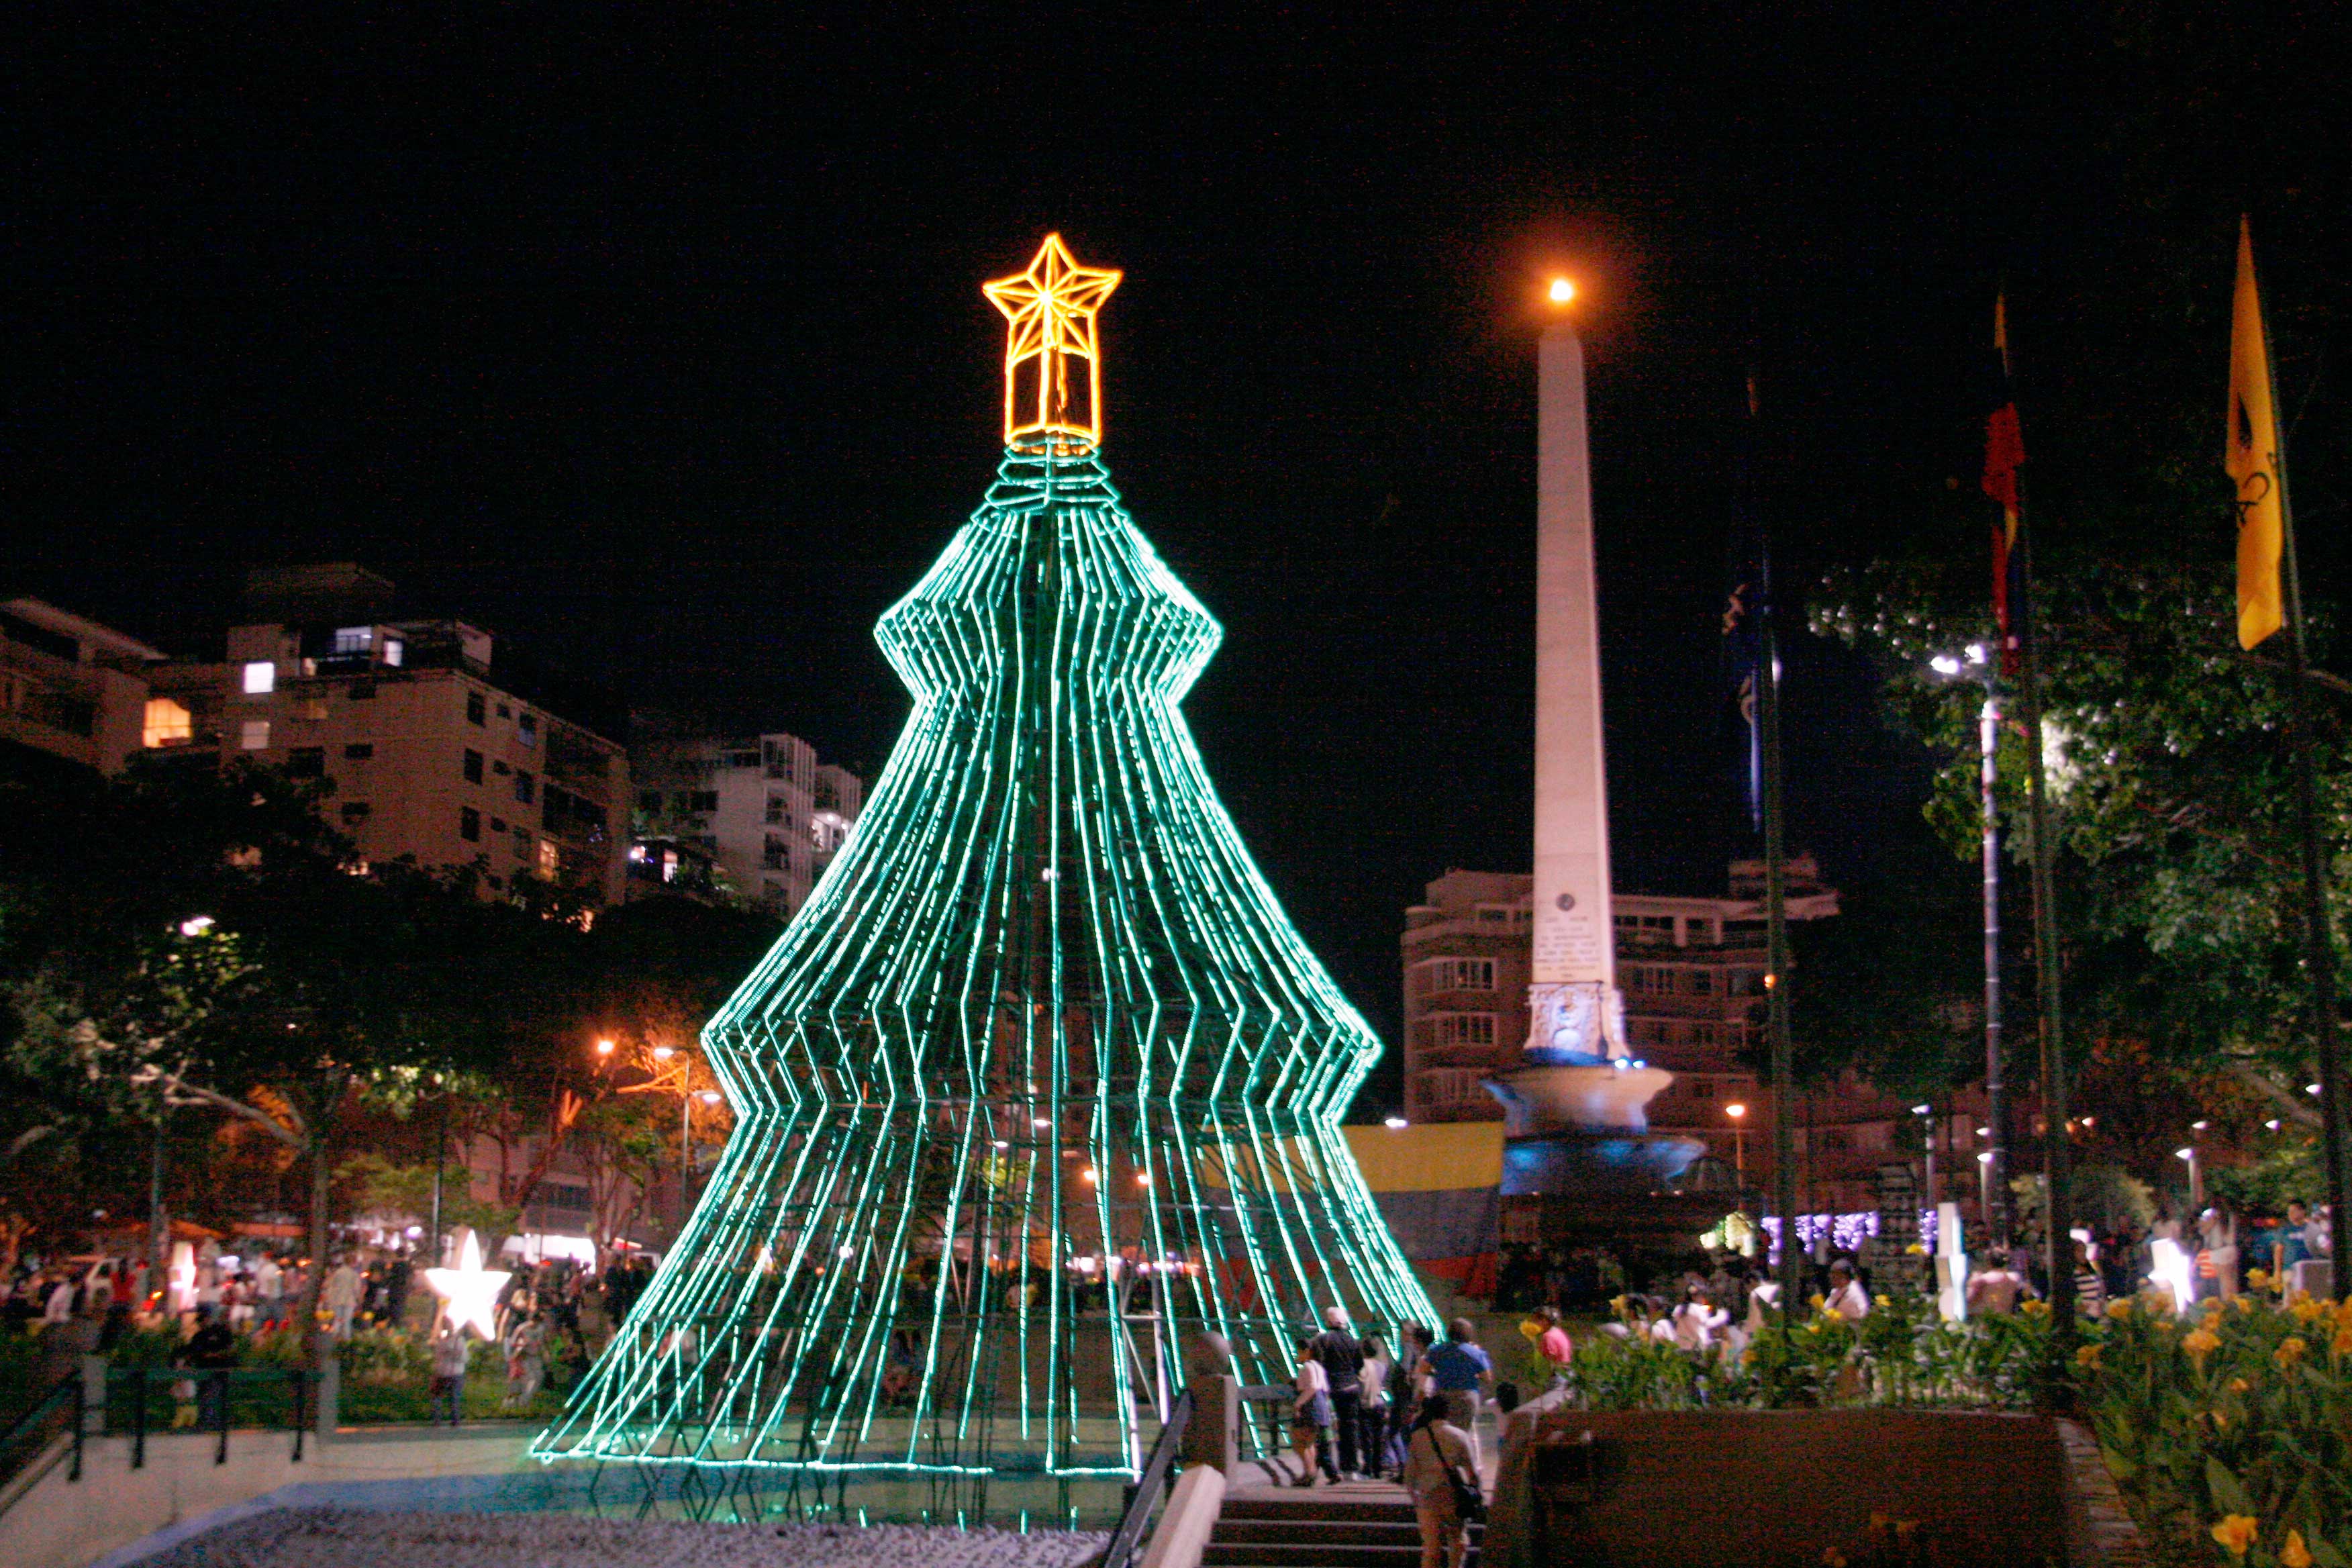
x=658, y=349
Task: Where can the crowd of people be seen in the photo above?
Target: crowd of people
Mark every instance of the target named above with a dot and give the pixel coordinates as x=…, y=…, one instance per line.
x=216, y=1302
x=1360, y=1411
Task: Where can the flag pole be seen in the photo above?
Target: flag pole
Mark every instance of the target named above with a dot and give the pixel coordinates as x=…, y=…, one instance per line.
x=2057, y=1153
x=1776, y=922
x=2318, y=945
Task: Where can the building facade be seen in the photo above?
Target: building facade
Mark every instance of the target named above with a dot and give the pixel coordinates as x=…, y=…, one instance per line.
x=71, y=686
x=1692, y=974
x=429, y=753
x=754, y=819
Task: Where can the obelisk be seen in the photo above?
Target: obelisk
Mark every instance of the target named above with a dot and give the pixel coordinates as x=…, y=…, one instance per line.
x=1575, y=1012
x=1575, y=1106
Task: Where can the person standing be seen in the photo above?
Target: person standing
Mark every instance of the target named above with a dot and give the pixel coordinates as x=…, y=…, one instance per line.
x=1461, y=1370
x=1372, y=1415
x=1310, y=1418
x=1342, y=1355
x=1438, y=1456
x=449, y=1350
x=1407, y=1386
x=1847, y=1298
x=1554, y=1347
x=268, y=1292
x=526, y=1361
x=341, y=1296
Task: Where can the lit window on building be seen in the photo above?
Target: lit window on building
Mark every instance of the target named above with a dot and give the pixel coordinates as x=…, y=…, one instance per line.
x=550, y=858
x=354, y=639
x=168, y=723
x=260, y=676
x=1449, y=1029
x=253, y=736
x=394, y=650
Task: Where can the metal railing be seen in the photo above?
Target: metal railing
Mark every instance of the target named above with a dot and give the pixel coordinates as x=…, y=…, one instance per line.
x=1143, y=1497
x=29, y=1450
x=215, y=1407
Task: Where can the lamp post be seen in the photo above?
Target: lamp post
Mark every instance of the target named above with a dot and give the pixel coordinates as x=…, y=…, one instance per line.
x=676, y=1077
x=1926, y=1114
x=1738, y=1112
x=2196, y=1175
x=1984, y=1189
x=1977, y=664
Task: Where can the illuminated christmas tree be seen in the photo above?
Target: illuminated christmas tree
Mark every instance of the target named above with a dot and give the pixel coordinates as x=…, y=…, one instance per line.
x=1040, y=1084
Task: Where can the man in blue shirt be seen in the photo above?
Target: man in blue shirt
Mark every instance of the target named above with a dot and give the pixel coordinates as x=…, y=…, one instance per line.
x=1461, y=1371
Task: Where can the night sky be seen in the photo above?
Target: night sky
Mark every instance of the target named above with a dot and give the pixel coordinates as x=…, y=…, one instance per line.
x=661, y=352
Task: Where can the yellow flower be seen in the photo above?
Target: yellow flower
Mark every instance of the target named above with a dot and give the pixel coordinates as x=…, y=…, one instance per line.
x=2088, y=1356
x=1817, y=1299
x=2291, y=1351
x=2343, y=1344
x=2239, y=1385
x=2304, y=1308
x=2201, y=1343
x=2245, y=1303
x=2120, y=1309
x=2236, y=1532
x=1831, y=1315
x=1531, y=1329
x=2258, y=1278
x=2220, y=1422
x=2035, y=1308
x=2295, y=1553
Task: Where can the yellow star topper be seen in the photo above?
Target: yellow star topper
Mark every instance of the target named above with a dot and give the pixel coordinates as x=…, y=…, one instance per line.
x=1050, y=314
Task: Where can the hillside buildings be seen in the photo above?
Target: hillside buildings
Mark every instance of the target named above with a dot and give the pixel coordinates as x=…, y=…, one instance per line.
x=71, y=686
x=751, y=818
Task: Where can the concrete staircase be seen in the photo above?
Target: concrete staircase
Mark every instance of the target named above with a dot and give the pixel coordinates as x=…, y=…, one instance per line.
x=1344, y=1527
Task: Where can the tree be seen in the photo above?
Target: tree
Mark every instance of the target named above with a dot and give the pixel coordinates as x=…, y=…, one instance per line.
x=2167, y=746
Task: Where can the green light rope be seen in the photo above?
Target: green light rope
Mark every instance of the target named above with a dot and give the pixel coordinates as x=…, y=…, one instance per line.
x=1039, y=1085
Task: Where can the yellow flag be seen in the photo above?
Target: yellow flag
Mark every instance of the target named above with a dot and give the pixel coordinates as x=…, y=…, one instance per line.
x=2253, y=458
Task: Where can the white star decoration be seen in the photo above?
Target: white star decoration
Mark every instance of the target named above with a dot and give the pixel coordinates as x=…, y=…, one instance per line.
x=469, y=1292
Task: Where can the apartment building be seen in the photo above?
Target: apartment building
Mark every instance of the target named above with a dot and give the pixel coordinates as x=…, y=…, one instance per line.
x=72, y=687
x=745, y=819
x=1691, y=970
x=431, y=751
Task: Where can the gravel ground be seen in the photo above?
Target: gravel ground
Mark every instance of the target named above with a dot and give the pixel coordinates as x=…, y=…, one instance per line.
x=349, y=1538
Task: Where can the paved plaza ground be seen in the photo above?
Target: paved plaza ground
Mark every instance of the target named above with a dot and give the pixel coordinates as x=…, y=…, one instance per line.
x=351, y=1538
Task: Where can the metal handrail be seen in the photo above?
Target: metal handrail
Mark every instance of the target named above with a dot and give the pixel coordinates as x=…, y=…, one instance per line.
x=17, y=1480
x=1144, y=1495
x=220, y=1378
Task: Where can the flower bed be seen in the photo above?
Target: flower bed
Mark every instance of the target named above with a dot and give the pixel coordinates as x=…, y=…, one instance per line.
x=2229, y=1431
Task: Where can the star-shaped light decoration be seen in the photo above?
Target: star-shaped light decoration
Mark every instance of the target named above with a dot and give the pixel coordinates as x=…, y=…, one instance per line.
x=469, y=1292
x=1050, y=310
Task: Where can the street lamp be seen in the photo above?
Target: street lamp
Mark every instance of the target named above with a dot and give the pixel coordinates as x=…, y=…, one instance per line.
x=1984, y=1188
x=2196, y=1175
x=1738, y=1112
x=1926, y=1114
x=1977, y=663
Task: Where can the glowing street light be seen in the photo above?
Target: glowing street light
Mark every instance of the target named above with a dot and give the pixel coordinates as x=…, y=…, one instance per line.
x=1395, y=1123
x=604, y=1047
x=1739, y=1114
x=2196, y=1175
x=1562, y=291
x=1976, y=663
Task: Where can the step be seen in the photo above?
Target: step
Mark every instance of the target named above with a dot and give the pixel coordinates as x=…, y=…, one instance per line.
x=1305, y=1504
x=1263, y=1555
x=1380, y=1532
x=1309, y=1554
